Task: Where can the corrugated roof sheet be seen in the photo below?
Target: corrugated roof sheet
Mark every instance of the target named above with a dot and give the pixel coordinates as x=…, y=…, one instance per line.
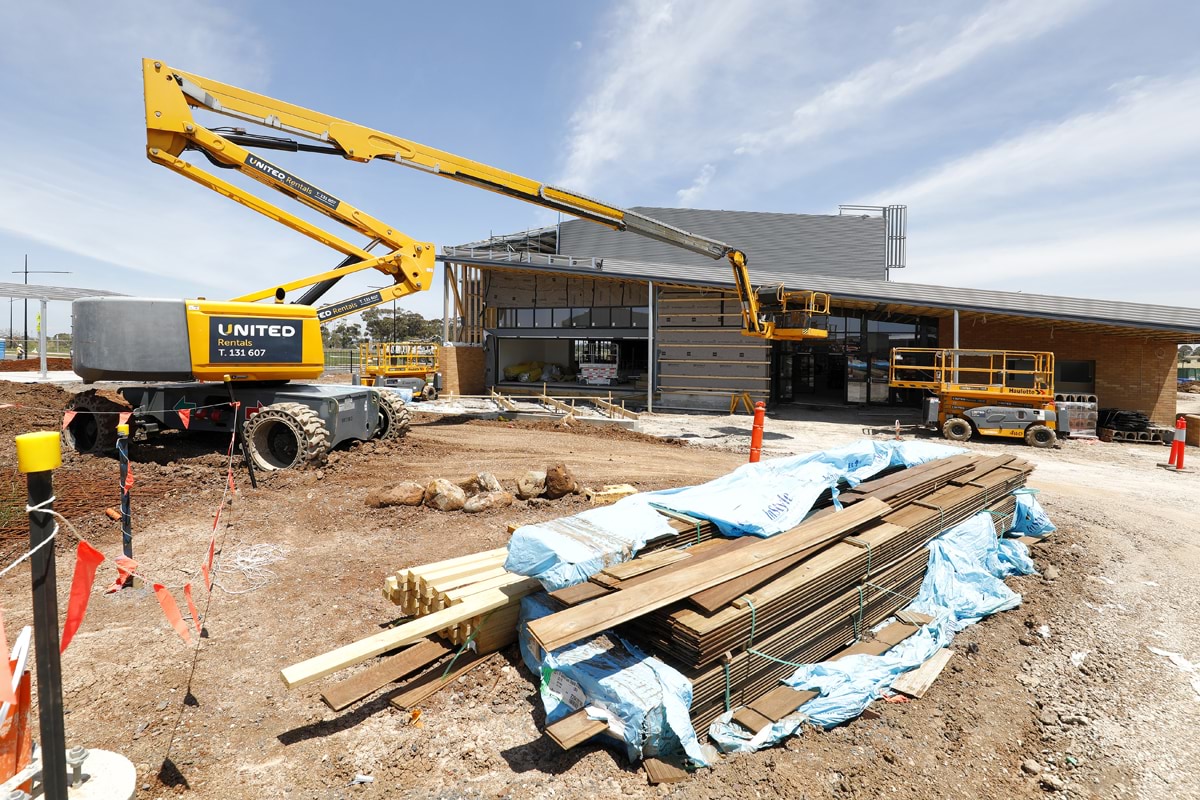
x=35, y=292
x=851, y=246
x=718, y=274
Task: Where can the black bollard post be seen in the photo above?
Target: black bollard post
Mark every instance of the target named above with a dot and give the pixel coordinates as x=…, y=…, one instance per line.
x=126, y=514
x=38, y=454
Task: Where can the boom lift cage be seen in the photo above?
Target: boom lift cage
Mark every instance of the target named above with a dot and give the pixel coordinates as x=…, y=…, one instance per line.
x=399, y=359
x=1019, y=376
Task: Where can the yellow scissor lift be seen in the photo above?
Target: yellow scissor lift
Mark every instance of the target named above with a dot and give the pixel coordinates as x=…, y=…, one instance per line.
x=412, y=365
x=989, y=392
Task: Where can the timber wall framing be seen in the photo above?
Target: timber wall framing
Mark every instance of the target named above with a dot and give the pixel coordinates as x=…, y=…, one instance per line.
x=703, y=358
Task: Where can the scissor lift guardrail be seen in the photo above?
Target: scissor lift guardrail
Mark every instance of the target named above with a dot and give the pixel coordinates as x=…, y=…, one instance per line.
x=1013, y=375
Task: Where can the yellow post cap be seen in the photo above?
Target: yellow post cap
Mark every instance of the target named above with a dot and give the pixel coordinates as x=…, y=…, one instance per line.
x=39, y=452
x=123, y=430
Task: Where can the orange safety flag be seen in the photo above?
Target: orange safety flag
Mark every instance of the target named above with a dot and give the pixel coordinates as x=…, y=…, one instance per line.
x=206, y=567
x=87, y=559
x=123, y=417
x=187, y=594
x=126, y=566
x=172, y=612
x=185, y=416
x=16, y=734
x=7, y=695
x=67, y=417
x=128, y=485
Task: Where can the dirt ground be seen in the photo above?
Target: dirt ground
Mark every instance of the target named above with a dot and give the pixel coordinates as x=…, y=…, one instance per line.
x=1084, y=698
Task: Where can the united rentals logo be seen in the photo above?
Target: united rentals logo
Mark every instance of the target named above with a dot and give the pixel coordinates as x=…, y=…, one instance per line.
x=241, y=340
x=236, y=329
x=291, y=182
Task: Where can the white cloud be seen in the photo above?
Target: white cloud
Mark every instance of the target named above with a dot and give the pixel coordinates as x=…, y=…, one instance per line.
x=1153, y=124
x=654, y=74
x=690, y=196
x=888, y=80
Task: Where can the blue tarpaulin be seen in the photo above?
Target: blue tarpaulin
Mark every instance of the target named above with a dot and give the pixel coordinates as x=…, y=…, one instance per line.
x=760, y=499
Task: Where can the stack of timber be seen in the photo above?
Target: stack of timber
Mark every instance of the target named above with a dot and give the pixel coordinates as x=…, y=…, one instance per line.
x=431, y=588
x=735, y=615
x=467, y=598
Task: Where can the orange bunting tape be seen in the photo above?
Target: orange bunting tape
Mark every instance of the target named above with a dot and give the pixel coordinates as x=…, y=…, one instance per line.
x=187, y=595
x=172, y=612
x=206, y=567
x=128, y=485
x=123, y=417
x=185, y=416
x=67, y=417
x=125, y=568
x=87, y=559
x=7, y=695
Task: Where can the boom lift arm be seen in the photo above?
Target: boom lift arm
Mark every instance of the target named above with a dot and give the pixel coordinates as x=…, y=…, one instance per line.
x=171, y=95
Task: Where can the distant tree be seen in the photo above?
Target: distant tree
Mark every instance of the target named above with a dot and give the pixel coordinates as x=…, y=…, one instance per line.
x=407, y=326
x=340, y=335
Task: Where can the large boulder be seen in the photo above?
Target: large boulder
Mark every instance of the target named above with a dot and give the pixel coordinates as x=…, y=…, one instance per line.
x=487, y=501
x=531, y=484
x=444, y=495
x=401, y=494
x=488, y=482
x=560, y=482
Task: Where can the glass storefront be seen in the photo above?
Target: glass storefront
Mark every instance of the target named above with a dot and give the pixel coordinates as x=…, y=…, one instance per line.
x=851, y=365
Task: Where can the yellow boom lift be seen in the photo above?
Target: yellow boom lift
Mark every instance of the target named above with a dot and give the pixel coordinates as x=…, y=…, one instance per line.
x=989, y=392
x=253, y=348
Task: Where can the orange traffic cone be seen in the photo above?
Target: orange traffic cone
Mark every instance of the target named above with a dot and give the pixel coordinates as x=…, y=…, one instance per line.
x=1178, y=443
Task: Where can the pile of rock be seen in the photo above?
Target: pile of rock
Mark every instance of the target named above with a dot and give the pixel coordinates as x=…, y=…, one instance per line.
x=482, y=492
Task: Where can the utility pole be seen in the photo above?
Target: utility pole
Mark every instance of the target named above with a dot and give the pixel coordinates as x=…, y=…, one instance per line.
x=26, y=271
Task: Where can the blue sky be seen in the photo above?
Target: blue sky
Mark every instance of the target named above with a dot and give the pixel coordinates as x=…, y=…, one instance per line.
x=1044, y=146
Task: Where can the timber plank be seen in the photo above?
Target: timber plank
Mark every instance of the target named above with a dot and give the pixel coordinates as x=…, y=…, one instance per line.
x=556, y=630
x=423, y=686
x=781, y=701
x=575, y=729
x=648, y=563
x=896, y=633
x=917, y=682
x=356, y=652
x=750, y=719
x=579, y=593
x=659, y=771
x=393, y=668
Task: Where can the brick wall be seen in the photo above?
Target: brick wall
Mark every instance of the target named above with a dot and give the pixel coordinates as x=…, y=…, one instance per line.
x=462, y=369
x=1132, y=373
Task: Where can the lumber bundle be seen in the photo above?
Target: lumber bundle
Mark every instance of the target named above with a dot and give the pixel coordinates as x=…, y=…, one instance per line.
x=735, y=615
x=431, y=588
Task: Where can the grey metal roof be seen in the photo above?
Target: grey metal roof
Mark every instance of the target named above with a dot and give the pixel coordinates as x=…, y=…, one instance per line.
x=850, y=245
x=35, y=292
x=718, y=274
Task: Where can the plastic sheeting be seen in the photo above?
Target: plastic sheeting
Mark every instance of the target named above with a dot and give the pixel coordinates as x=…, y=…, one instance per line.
x=760, y=499
x=644, y=701
x=964, y=583
x=1031, y=519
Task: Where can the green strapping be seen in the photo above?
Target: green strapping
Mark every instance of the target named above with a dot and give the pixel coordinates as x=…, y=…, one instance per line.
x=728, y=705
x=467, y=643
x=773, y=658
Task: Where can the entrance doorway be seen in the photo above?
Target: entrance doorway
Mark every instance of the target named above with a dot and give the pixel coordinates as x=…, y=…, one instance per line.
x=851, y=365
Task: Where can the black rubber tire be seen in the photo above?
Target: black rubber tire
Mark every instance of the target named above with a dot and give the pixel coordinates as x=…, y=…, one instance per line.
x=286, y=436
x=957, y=429
x=394, y=415
x=429, y=392
x=94, y=430
x=1040, y=436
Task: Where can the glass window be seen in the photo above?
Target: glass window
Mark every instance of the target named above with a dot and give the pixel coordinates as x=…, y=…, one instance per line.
x=581, y=317
x=639, y=316
x=524, y=318
x=562, y=317
x=601, y=317
x=541, y=318
x=620, y=317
